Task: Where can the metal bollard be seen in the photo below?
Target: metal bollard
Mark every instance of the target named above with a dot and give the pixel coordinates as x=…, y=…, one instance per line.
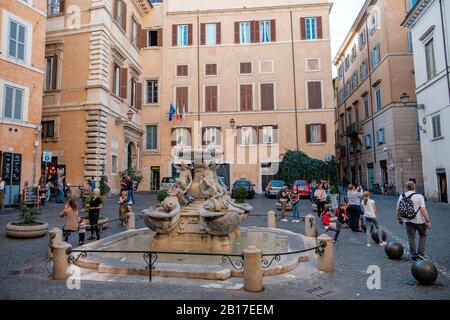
x=131, y=221
x=325, y=260
x=310, y=226
x=271, y=222
x=60, y=261
x=253, y=273
x=54, y=238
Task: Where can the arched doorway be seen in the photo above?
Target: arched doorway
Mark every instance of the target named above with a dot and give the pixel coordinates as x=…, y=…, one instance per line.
x=131, y=155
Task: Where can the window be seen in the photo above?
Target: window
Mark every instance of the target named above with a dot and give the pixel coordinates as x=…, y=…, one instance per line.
x=211, y=33
x=244, y=32
x=48, y=129
x=265, y=31
x=211, y=93
x=356, y=106
x=347, y=62
x=348, y=88
x=13, y=103
x=182, y=136
x=268, y=135
x=151, y=137
x=245, y=68
x=436, y=122
x=410, y=42
x=363, y=70
x=267, y=96
x=134, y=32
x=120, y=14
x=16, y=41
x=313, y=64
x=375, y=56
x=314, y=94
x=342, y=122
x=246, y=97
x=430, y=60
x=373, y=22
x=316, y=133
x=51, y=72
x=378, y=100
x=133, y=92
x=182, y=99
x=55, y=7
x=247, y=136
x=118, y=11
x=368, y=141
x=182, y=70
x=311, y=28
x=362, y=40
x=116, y=80
x=210, y=136
x=182, y=35
x=152, y=91
x=366, y=105
x=156, y=1
x=152, y=38
x=211, y=69
x=380, y=136
x=354, y=53
x=410, y=4
x=113, y=164
x=354, y=80
x=418, y=131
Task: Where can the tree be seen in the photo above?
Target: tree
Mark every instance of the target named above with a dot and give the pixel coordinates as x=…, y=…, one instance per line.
x=104, y=187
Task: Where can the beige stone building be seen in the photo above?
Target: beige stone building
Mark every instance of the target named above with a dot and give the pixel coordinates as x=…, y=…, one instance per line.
x=378, y=137
x=22, y=43
x=115, y=67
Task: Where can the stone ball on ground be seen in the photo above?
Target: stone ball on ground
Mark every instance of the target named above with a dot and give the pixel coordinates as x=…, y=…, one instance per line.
x=374, y=235
x=394, y=250
x=424, y=271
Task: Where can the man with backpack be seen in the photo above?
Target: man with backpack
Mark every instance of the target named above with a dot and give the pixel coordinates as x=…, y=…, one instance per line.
x=412, y=212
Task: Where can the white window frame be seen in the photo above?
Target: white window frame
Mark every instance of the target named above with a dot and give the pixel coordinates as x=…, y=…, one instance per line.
x=211, y=133
x=434, y=131
x=260, y=67
x=146, y=92
x=310, y=132
x=243, y=137
x=148, y=42
x=53, y=5
x=381, y=137
x=25, y=99
x=157, y=136
x=430, y=73
x=211, y=75
x=245, y=74
x=210, y=36
x=244, y=32
x=116, y=80
x=270, y=133
x=114, y=170
x=188, y=70
x=373, y=22
x=239, y=96
x=183, y=134
x=134, y=32
x=7, y=17
x=311, y=28
x=368, y=141
x=48, y=77
x=314, y=70
x=182, y=35
x=265, y=31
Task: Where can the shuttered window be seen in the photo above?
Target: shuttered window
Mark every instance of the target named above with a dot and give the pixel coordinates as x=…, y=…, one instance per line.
x=316, y=133
x=182, y=35
x=51, y=73
x=246, y=97
x=311, y=28
x=182, y=70
x=55, y=7
x=182, y=98
x=267, y=96
x=211, y=69
x=154, y=38
x=211, y=93
x=245, y=68
x=314, y=95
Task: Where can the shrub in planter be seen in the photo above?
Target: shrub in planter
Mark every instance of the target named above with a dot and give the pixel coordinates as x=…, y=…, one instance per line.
x=104, y=187
x=239, y=194
x=28, y=226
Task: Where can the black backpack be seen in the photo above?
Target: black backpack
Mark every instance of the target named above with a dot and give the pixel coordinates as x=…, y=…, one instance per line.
x=407, y=207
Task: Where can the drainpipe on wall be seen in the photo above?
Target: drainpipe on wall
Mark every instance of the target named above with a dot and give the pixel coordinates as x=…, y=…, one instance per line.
x=36, y=145
x=445, y=48
x=295, y=82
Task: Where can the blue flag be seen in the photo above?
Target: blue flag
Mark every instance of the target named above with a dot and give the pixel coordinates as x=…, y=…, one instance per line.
x=172, y=112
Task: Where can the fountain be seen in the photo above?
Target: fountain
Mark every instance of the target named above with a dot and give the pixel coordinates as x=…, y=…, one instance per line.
x=198, y=214
x=195, y=231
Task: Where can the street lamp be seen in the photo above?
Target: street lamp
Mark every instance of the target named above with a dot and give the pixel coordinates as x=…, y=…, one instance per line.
x=232, y=123
x=130, y=114
x=404, y=98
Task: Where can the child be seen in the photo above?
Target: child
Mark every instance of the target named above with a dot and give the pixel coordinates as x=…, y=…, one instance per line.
x=82, y=225
x=123, y=208
x=370, y=218
x=328, y=221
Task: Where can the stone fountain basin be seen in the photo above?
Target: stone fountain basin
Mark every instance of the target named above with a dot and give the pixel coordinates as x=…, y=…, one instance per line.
x=195, y=267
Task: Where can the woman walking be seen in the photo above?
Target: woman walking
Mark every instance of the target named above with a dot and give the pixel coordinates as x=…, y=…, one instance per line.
x=370, y=218
x=295, y=201
x=354, y=206
x=321, y=199
x=94, y=213
x=70, y=212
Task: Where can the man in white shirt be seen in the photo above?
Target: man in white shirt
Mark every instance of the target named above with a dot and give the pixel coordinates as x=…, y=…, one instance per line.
x=421, y=222
x=2, y=194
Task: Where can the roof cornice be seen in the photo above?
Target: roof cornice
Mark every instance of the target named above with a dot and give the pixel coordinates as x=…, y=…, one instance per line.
x=416, y=12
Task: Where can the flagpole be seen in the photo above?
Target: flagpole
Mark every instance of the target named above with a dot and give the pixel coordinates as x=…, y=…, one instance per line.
x=198, y=67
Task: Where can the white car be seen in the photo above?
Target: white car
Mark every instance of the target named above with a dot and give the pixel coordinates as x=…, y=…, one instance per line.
x=167, y=183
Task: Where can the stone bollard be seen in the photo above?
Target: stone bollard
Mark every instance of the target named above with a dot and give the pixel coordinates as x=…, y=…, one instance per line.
x=60, y=263
x=310, y=226
x=55, y=237
x=325, y=262
x=271, y=222
x=253, y=273
x=131, y=221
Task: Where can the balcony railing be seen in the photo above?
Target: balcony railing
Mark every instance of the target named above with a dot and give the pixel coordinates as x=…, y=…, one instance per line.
x=354, y=130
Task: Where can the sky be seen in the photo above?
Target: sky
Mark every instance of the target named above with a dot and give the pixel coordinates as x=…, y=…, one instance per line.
x=343, y=15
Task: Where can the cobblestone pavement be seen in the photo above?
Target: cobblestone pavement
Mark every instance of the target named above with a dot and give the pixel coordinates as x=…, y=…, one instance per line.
x=25, y=271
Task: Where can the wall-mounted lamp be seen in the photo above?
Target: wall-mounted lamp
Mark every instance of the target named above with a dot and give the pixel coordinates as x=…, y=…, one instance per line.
x=130, y=114
x=232, y=123
x=404, y=98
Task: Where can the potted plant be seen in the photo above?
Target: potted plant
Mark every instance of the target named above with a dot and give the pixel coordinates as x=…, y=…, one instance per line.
x=104, y=187
x=135, y=175
x=239, y=194
x=28, y=226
